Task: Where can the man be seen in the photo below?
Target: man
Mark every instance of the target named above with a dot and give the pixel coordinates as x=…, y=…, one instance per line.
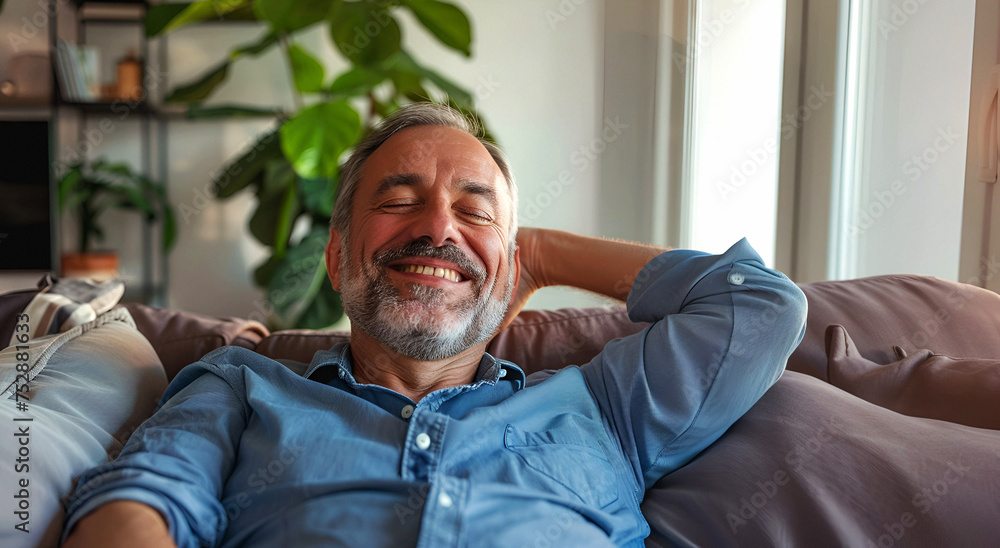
x=412, y=434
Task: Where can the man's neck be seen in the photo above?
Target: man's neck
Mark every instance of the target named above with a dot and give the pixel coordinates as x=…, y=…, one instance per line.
x=375, y=364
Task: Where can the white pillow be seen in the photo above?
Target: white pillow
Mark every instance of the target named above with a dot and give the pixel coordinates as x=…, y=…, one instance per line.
x=88, y=389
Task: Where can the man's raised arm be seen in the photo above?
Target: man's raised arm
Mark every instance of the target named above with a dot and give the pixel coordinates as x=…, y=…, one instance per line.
x=553, y=257
x=721, y=329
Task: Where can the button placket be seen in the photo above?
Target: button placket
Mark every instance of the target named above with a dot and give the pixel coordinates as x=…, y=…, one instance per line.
x=422, y=448
x=441, y=520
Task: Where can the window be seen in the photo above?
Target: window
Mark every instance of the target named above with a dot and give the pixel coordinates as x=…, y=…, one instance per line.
x=735, y=124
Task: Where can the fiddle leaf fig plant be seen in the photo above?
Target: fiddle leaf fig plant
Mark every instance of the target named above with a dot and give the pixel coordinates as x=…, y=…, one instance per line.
x=293, y=170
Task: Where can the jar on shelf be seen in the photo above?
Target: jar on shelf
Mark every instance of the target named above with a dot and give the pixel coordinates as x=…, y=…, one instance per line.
x=130, y=78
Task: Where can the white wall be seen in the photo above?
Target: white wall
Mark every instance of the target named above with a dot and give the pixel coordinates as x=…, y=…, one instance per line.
x=908, y=213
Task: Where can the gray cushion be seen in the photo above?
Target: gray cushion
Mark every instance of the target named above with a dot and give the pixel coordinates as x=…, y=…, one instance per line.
x=89, y=388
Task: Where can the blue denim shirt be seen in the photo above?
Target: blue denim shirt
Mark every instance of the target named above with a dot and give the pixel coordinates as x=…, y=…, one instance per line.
x=245, y=452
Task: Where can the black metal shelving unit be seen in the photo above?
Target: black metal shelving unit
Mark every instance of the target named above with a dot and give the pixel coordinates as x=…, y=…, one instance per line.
x=152, y=127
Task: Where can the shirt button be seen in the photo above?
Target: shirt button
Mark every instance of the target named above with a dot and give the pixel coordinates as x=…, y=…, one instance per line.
x=423, y=441
x=736, y=278
x=407, y=411
x=503, y=373
x=444, y=500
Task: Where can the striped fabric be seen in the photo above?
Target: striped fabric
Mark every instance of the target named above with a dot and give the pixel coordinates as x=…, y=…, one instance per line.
x=67, y=303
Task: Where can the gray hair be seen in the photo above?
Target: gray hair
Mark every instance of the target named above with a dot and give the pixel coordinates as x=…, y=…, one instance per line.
x=414, y=115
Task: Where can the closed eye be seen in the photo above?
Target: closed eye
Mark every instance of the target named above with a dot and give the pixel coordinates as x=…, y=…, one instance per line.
x=478, y=217
x=399, y=207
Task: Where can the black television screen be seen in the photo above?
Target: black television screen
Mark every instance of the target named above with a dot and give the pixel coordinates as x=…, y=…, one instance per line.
x=25, y=197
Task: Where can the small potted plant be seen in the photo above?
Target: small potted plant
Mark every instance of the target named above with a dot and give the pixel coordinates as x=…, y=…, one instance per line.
x=92, y=188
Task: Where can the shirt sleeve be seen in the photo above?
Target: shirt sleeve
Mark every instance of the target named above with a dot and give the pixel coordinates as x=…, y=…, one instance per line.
x=722, y=328
x=177, y=461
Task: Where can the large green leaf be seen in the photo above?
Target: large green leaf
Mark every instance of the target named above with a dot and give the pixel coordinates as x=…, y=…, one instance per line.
x=299, y=290
x=167, y=17
x=169, y=229
x=289, y=16
x=208, y=82
x=307, y=72
x=323, y=310
x=202, y=88
x=255, y=48
x=159, y=16
x=406, y=71
x=455, y=92
x=354, y=82
x=365, y=32
x=315, y=138
x=277, y=207
x=446, y=21
x=265, y=271
x=249, y=167
x=318, y=195
x=406, y=77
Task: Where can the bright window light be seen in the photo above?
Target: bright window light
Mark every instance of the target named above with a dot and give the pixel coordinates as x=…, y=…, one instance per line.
x=736, y=124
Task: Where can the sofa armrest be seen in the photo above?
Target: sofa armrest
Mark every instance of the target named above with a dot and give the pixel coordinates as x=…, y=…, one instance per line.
x=908, y=310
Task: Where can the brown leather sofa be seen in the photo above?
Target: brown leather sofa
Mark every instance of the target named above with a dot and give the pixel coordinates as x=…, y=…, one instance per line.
x=884, y=430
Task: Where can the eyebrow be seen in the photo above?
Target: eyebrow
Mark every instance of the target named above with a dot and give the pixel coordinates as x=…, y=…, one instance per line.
x=468, y=186
x=479, y=189
x=392, y=181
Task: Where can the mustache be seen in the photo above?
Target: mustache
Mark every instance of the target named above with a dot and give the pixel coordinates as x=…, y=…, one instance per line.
x=420, y=248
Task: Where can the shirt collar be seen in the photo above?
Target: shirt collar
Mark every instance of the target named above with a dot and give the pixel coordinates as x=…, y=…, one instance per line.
x=338, y=358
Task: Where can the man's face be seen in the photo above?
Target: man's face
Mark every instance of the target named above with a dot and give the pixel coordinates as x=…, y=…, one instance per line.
x=427, y=269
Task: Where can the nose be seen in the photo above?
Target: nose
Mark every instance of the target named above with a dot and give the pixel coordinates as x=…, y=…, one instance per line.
x=437, y=225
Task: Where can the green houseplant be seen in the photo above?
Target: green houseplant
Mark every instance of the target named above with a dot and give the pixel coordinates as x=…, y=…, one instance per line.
x=90, y=189
x=293, y=170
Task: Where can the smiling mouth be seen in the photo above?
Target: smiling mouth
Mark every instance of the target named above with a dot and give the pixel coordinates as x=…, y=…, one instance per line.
x=438, y=272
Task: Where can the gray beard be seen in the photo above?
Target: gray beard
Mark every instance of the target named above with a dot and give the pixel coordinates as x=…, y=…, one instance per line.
x=421, y=327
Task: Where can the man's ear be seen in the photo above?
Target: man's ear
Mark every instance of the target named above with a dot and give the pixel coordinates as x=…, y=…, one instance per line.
x=333, y=249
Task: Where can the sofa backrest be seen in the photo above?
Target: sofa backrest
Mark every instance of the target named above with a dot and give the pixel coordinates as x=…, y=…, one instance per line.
x=181, y=338
x=879, y=312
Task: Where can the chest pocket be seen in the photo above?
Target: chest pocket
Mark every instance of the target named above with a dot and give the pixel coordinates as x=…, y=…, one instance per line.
x=568, y=458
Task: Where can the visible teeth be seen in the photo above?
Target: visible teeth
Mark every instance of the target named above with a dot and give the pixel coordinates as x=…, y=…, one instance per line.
x=445, y=273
